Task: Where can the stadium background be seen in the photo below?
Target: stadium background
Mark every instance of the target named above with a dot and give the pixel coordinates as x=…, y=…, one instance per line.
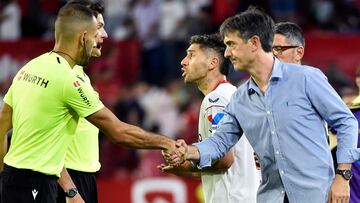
x=139, y=78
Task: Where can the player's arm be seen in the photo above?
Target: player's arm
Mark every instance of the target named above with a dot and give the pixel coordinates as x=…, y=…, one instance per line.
x=215, y=110
x=190, y=169
x=128, y=135
x=66, y=184
x=222, y=165
x=186, y=169
x=5, y=126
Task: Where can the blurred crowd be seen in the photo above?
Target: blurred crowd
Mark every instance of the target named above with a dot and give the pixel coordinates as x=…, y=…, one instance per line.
x=155, y=97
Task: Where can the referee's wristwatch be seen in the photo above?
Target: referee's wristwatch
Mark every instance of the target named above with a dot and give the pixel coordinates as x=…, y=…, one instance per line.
x=71, y=192
x=347, y=174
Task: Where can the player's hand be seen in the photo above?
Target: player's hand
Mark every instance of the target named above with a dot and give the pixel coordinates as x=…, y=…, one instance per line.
x=76, y=199
x=339, y=191
x=165, y=167
x=175, y=154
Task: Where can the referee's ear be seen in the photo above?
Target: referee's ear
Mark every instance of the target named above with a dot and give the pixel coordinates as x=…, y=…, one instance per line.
x=83, y=38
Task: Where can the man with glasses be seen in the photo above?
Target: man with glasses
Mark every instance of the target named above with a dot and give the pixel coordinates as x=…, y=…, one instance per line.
x=289, y=42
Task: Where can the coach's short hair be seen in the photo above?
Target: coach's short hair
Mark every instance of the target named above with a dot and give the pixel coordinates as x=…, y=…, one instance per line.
x=249, y=23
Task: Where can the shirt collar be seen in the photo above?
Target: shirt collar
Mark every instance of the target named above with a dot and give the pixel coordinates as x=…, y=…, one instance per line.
x=276, y=74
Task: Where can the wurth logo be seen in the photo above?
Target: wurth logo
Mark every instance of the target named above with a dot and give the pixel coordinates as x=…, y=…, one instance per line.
x=76, y=83
x=83, y=96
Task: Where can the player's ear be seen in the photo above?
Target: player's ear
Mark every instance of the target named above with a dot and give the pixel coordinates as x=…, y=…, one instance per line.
x=214, y=62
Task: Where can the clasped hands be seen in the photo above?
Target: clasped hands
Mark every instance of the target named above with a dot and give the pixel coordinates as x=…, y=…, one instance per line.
x=175, y=155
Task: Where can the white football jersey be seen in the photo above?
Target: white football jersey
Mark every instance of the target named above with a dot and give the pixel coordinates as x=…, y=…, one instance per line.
x=240, y=183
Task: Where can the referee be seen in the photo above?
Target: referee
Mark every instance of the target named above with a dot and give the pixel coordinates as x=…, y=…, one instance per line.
x=43, y=107
x=82, y=157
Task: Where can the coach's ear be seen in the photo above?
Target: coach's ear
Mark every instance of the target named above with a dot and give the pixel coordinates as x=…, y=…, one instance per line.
x=255, y=43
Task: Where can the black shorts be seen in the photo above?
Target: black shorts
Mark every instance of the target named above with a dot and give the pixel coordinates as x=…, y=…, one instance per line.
x=86, y=185
x=24, y=185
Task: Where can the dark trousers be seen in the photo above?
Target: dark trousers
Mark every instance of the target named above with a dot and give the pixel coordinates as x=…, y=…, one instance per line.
x=86, y=185
x=24, y=186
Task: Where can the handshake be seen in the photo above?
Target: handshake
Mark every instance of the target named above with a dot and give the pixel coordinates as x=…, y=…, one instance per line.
x=176, y=154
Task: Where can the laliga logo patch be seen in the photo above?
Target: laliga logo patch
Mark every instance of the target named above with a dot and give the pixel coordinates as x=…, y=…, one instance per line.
x=217, y=118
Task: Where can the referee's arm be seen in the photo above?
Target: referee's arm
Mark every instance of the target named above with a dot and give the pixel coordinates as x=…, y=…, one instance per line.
x=5, y=126
x=129, y=135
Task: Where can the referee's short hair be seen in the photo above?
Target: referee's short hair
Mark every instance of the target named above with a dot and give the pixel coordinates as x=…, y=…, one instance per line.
x=95, y=5
x=72, y=18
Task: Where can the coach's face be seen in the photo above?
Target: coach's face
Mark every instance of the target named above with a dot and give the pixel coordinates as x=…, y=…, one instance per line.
x=239, y=51
x=101, y=36
x=194, y=65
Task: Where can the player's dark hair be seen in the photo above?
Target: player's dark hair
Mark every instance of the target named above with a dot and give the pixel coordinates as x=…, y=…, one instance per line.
x=215, y=43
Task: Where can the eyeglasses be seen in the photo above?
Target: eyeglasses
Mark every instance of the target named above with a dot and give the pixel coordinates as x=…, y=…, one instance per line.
x=278, y=50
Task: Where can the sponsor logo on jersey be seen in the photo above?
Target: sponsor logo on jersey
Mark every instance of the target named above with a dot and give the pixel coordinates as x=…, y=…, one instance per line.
x=83, y=96
x=37, y=80
x=213, y=101
x=216, y=119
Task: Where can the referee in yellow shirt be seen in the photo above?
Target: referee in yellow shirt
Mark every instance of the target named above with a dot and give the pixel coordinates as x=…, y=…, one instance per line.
x=43, y=107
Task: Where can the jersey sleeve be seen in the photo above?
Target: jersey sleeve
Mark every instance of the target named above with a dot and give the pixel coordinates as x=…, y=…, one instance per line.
x=214, y=110
x=81, y=97
x=8, y=97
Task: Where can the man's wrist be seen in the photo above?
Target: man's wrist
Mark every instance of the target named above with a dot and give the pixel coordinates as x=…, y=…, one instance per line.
x=346, y=174
x=72, y=192
x=192, y=153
